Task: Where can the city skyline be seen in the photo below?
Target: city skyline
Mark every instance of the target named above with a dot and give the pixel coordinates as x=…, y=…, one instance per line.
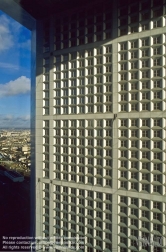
x=14, y=73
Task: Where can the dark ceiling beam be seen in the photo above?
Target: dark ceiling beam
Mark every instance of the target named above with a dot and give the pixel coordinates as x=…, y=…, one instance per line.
x=42, y=8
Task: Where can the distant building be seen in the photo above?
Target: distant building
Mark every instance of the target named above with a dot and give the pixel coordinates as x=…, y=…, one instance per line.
x=14, y=176
x=22, y=159
x=14, y=134
x=14, y=148
x=25, y=148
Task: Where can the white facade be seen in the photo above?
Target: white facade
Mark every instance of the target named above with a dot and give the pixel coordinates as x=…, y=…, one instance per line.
x=101, y=127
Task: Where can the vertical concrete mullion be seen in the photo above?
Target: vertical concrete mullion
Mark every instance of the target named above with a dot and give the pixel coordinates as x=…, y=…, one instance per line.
x=115, y=133
x=39, y=127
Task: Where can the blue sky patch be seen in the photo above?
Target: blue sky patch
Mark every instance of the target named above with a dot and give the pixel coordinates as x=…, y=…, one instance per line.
x=15, y=60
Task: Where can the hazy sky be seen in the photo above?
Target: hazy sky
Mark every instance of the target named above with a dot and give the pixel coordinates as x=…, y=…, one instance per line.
x=14, y=73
